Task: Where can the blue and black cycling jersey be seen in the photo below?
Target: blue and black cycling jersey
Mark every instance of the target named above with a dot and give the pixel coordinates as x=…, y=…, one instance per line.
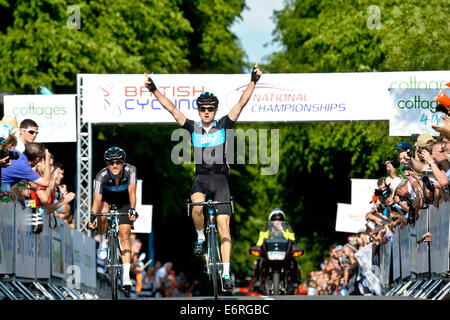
x=105, y=184
x=210, y=147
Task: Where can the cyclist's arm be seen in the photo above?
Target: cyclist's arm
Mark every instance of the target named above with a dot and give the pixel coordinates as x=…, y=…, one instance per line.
x=132, y=195
x=245, y=97
x=96, y=203
x=169, y=106
x=166, y=103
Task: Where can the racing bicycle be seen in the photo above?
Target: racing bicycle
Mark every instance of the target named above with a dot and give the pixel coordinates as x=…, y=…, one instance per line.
x=214, y=265
x=113, y=266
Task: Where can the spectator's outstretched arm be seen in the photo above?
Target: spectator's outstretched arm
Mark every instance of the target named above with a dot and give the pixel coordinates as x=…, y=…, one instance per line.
x=166, y=103
x=440, y=176
x=245, y=97
x=390, y=169
x=44, y=180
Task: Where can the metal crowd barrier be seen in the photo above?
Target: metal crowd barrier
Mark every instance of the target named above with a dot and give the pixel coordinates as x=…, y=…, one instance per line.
x=417, y=269
x=57, y=264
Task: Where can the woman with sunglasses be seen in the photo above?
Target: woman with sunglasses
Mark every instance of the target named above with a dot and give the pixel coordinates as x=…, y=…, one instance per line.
x=209, y=138
x=116, y=184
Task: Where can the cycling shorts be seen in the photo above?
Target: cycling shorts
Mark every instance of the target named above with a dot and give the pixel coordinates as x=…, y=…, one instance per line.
x=214, y=187
x=121, y=208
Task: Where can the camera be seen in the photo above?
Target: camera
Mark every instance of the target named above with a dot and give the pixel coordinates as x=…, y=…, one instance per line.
x=411, y=153
x=8, y=153
x=385, y=193
x=411, y=214
x=395, y=163
x=441, y=108
x=406, y=166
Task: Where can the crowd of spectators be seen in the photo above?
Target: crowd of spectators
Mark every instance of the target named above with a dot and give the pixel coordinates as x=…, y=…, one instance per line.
x=29, y=173
x=418, y=177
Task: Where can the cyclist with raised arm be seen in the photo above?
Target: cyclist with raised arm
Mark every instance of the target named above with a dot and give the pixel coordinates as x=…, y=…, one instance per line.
x=211, y=170
x=116, y=184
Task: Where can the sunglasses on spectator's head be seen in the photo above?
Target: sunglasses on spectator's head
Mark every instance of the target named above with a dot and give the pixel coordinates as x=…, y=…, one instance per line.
x=32, y=132
x=113, y=162
x=210, y=109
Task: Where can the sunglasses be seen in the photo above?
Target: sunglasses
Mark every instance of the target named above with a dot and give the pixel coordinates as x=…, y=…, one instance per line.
x=111, y=163
x=210, y=109
x=32, y=132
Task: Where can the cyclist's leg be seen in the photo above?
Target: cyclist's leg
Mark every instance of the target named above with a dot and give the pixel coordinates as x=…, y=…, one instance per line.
x=197, y=211
x=223, y=224
x=125, y=244
x=222, y=193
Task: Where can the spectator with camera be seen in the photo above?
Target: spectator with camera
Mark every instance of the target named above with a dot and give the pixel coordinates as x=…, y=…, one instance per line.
x=21, y=168
x=410, y=197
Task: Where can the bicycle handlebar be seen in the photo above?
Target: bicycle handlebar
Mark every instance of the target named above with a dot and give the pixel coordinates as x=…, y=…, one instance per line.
x=210, y=204
x=107, y=214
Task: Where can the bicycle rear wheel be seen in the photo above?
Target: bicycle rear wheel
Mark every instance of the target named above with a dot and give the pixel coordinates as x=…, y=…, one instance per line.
x=113, y=276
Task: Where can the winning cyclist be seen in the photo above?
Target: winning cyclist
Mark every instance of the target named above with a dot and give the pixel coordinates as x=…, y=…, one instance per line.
x=116, y=184
x=209, y=140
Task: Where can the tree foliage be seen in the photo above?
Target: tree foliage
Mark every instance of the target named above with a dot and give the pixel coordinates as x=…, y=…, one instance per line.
x=43, y=45
x=353, y=36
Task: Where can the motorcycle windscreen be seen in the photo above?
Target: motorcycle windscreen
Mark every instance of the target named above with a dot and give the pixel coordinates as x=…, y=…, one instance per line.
x=277, y=242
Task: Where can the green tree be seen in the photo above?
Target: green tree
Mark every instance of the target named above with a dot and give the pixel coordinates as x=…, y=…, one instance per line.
x=41, y=46
x=352, y=36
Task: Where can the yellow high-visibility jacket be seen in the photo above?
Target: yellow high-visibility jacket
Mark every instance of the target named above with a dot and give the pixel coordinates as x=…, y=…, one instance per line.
x=265, y=235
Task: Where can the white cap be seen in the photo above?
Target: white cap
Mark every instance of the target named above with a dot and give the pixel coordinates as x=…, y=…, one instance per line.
x=395, y=184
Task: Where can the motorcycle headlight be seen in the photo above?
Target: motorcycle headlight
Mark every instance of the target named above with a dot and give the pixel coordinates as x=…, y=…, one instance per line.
x=276, y=255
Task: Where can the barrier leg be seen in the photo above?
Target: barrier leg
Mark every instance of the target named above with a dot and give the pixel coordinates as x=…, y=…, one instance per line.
x=56, y=291
x=394, y=289
x=7, y=292
x=411, y=290
x=423, y=287
x=23, y=290
x=432, y=287
x=403, y=288
x=72, y=293
x=442, y=293
x=41, y=288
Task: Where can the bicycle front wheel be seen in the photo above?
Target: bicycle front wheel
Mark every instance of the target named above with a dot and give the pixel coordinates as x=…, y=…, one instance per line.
x=113, y=260
x=213, y=260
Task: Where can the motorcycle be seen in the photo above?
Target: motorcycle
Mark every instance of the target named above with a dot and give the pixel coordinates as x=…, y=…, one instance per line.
x=276, y=271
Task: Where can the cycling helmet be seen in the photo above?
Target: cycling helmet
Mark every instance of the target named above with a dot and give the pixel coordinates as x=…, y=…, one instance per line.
x=115, y=153
x=277, y=214
x=207, y=98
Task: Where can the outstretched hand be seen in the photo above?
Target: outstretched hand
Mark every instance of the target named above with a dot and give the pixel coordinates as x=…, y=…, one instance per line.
x=149, y=83
x=256, y=73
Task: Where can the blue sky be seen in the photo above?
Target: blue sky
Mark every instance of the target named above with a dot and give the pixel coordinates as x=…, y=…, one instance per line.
x=256, y=28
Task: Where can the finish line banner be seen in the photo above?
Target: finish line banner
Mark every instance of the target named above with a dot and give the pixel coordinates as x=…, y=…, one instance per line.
x=123, y=98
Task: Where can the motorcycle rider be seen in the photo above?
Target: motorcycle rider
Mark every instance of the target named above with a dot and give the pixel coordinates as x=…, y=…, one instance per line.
x=276, y=216
x=276, y=223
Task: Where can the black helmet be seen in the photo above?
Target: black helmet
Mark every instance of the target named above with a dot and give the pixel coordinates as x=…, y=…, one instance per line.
x=276, y=215
x=115, y=153
x=207, y=98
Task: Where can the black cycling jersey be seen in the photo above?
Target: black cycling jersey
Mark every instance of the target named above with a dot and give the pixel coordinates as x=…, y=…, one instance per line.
x=210, y=148
x=105, y=184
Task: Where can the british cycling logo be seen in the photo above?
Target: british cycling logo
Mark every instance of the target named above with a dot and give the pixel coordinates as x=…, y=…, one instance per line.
x=110, y=104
